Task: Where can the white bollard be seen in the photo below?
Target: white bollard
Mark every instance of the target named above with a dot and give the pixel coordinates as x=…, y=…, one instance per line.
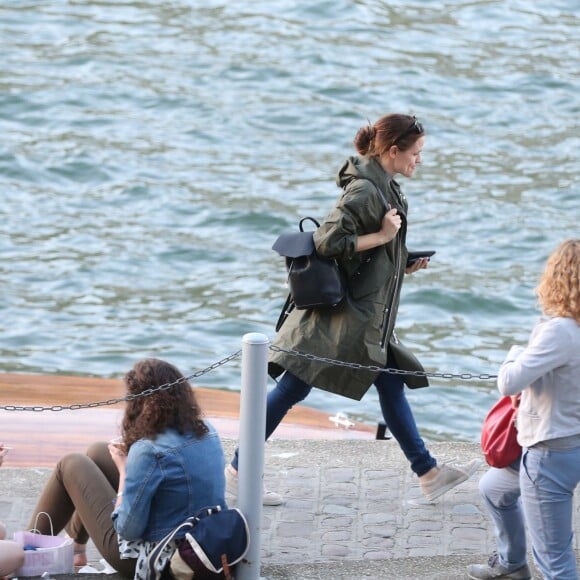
x=251, y=446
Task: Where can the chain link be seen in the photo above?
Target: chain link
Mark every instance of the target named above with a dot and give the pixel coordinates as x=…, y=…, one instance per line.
x=130, y=397
x=376, y=369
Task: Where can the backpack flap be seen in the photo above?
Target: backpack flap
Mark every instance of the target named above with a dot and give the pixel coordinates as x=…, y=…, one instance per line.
x=294, y=244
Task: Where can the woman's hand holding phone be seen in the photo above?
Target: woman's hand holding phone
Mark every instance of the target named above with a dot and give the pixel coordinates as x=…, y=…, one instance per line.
x=418, y=260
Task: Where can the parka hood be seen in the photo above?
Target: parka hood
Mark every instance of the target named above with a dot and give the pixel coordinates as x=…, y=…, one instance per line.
x=357, y=167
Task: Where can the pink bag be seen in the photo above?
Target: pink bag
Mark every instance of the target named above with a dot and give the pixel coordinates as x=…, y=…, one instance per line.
x=52, y=554
x=499, y=437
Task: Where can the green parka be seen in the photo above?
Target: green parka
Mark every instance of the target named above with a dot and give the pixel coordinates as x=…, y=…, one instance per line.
x=352, y=331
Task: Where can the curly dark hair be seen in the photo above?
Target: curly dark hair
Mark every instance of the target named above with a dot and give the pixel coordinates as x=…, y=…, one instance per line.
x=173, y=408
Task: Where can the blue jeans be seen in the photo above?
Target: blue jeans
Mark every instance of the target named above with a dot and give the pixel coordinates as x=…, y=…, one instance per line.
x=500, y=489
x=548, y=479
x=397, y=414
x=401, y=423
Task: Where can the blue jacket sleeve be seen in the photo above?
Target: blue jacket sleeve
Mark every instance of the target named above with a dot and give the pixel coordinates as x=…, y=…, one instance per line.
x=143, y=478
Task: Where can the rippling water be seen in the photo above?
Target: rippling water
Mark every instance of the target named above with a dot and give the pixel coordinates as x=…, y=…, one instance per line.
x=151, y=153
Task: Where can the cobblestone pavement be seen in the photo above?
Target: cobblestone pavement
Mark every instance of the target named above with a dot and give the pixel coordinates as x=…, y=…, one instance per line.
x=353, y=509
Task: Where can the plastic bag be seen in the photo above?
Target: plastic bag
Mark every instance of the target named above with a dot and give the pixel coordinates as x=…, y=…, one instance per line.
x=43, y=553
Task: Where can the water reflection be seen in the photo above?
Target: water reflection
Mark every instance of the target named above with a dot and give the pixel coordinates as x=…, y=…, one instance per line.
x=152, y=153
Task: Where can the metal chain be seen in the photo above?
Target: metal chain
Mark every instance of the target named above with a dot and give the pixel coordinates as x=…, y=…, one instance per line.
x=357, y=366
x=311, y=357
x=129, y=397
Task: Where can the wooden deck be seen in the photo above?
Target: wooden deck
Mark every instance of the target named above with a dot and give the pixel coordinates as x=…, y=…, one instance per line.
x=41, y=438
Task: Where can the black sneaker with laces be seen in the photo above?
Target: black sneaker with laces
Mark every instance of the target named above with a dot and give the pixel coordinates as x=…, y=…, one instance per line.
x=493, y=569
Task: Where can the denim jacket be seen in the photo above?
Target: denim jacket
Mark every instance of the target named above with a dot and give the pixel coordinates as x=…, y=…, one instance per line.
x=167, y=480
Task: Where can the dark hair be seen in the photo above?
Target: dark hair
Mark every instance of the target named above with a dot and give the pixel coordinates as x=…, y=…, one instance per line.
x=175, y=407
x=394, y=129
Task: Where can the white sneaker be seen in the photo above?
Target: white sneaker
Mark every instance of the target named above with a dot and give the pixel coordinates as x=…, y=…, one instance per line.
x=448, y=477
x=494, y=570
x=269, y=498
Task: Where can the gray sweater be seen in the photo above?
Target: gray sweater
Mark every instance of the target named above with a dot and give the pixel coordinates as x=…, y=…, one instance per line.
x=547, y=373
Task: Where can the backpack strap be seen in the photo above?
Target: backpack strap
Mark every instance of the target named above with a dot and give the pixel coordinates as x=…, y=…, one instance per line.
x=379, y=191
x=286, y=309
x=151, y=572
x=315, y=222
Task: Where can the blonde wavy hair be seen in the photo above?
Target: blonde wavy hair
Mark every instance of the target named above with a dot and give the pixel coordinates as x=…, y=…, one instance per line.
x=559, y=288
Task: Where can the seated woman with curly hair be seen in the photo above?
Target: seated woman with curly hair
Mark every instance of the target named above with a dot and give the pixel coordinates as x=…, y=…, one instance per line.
x=127, y=496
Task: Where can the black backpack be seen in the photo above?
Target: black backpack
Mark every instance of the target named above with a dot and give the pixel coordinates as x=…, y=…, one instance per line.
x=313, y=281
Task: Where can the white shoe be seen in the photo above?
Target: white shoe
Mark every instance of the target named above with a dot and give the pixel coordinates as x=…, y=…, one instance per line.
x=269, y=498
x=448, y=477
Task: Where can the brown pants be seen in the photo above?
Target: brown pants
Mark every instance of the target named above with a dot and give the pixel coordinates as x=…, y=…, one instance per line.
x=79, y=497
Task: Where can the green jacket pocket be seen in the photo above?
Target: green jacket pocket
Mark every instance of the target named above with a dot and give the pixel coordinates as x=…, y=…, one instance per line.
x=405, y=360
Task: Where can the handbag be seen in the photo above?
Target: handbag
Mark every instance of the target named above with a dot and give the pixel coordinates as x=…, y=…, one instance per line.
x=216, y=540
x=313, y=281
x=499, y=436
x=44, y=553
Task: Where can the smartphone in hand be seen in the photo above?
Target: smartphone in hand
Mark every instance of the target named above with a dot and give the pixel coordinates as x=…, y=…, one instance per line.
x=414, y=256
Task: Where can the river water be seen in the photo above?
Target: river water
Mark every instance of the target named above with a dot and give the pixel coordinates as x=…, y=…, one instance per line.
x=151, y=153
